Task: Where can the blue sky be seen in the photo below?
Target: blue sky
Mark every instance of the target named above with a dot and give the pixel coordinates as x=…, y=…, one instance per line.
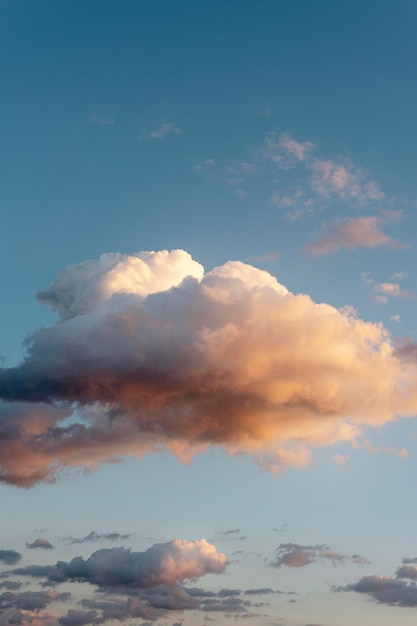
x=208, y=253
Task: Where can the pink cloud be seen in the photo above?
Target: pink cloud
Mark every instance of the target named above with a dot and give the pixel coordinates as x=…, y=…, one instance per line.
x=365, y=232
x=330, y=178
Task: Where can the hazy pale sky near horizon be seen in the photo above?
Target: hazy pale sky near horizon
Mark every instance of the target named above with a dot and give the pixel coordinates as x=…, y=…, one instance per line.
x=208, y=389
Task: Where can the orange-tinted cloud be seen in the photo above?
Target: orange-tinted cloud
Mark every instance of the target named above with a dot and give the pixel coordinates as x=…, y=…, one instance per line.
x=351, y=233
x=150, y=352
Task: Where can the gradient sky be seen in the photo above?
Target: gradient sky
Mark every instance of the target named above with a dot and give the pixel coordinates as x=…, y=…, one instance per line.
x=209, y=340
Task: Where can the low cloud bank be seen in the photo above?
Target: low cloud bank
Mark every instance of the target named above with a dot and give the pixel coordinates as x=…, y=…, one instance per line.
x=150, y=352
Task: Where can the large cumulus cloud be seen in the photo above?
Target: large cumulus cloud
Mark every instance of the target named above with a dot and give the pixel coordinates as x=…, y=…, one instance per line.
x=150, y=352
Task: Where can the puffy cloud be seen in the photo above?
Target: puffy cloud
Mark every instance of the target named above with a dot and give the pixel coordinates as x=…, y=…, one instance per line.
x=10, y=556
x=295, y=555
x=150, y=352
x=386, y=590
x=365, y=232
x=344, y=180
x=89, y=287
x=40, y=543
x=407, y=571
x=162, y=564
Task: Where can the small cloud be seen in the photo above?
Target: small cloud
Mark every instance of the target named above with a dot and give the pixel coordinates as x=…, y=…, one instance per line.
x=261, y=591
x=386, y=589
x=95, y=536
x=351, y=233
x=232, y=531
x=9, y=556
x=341, y=459
x=295, y=555
x=258, y=109
x=297, y=204
x=205, y=165
x=162, y=131
x=40, y=543
x=285, y=152
x=241, y=193
x=331, y=178
x=396, y=318
x=268, y=257
x=102, y=120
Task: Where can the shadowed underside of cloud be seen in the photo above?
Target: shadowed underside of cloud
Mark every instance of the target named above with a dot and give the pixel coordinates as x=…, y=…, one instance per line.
x=149, y=352
x=365, y=232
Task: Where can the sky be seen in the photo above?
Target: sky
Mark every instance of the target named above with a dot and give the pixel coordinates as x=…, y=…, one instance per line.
x=208, y=347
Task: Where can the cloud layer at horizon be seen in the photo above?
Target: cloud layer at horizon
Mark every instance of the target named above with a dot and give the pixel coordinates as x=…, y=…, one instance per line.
x=152, y=352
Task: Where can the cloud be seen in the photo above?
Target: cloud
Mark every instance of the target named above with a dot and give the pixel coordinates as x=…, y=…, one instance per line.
x=11, y=585
x=330, y=178
x=102, y=120
x=295, y=555
x=159, y=133
x=150, y=352
x=31, y=600
x=341, y=459
x=382, y=292
x=161, y=564
x=386, y=590
x=40, y=543
x=285, y=152
x=95, y=536
x=205, y=165
x=365, y=232
x=268, y=257
x=27, y=618
x=10, y=556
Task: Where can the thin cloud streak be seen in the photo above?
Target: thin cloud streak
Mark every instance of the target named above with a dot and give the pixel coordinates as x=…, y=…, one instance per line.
x=351, y=233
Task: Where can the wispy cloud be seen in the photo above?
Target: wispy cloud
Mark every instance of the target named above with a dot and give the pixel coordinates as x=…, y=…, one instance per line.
x=268, y=257
x=162, y=131
x=351, y=233
x=285, y=152
x=205, y=165
x=295, y=555
x=151, y=352
x=102, y=120
x=95, y=536
x=343, y=180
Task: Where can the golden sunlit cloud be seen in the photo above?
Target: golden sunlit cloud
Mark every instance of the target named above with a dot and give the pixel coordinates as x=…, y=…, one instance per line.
x=150, y=352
